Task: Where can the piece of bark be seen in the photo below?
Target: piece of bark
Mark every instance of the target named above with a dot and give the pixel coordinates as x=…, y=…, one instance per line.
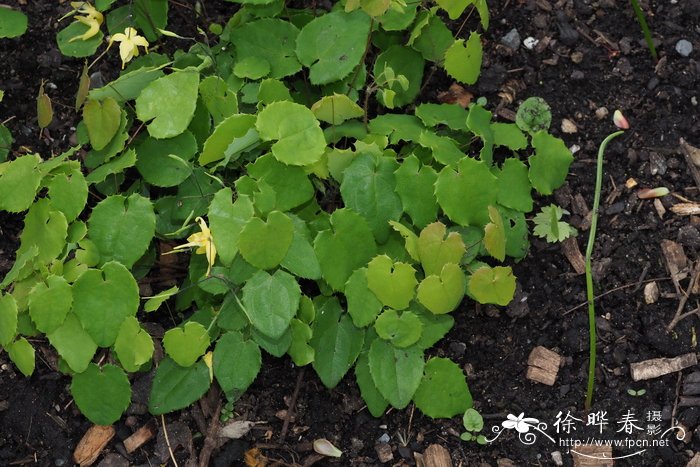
x=91, y=445
x=572, y=252
x=689, y=401
x=692, y=159
x=139, y=437
x=592, y=456
x=543, y=366
x=686, y=209
x=436, y=456
x=656, y=367
x=675, y=259
x=384, y=453
x=660, y=209
x=651, y=293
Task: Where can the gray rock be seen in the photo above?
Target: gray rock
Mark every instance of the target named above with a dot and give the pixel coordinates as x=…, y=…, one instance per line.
x=684, y=47
x=512, y=39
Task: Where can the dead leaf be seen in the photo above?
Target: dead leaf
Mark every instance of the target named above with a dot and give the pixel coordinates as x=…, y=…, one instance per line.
x=254, y=458
x=236, y=429
x=456, y=94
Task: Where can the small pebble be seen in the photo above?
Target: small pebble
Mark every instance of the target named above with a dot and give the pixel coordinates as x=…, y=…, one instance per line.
x=653, y=82
x=557, y=458
x=577, y=75
x=577, y=57
x=530, y=43
x=601, y=113
x=512, y=39
x=567, y=126
x=684, y=47
x=384, y=438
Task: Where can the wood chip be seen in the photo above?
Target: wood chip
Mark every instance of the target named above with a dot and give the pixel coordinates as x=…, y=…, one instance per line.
x=140, y=437
x=651, y=293
x=660, y=209
x=675, y=259
x=692, y=159
x=656, y=367
x=436, y=456
x=92, y=444
x=592, y=456
x=543, y=366
x=384, y=453
x=572, y=252
x=686, y=209
x=631, y=183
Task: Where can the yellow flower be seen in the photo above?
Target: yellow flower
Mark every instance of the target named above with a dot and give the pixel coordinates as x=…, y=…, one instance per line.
x=204, y=241
x=129, y=44
x=93, y=19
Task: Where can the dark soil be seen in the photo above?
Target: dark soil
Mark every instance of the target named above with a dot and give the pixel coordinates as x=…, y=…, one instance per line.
x=590, y=56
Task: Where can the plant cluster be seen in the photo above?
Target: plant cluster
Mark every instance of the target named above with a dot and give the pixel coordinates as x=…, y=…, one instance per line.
x=325, y=227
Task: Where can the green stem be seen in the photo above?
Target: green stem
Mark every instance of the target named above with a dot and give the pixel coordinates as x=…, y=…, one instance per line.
x=589, y=276
x=645, y=27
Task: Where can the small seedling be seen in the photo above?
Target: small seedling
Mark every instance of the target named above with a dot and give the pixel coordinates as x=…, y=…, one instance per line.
x=473, y=423
x=548, y=224
x=637, y=392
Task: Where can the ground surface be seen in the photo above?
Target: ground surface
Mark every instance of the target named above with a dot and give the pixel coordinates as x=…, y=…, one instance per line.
x=590, y=56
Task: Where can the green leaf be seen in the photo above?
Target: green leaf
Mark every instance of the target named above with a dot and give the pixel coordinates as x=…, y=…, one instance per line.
x=79, y=47
x=349, y=245
x=154, y=302
x=233, y=136
x=73, y=343
x=336, y=342
x=434, y=40
x=442, y=294
x=410, y=239
x=300, y=351
x=254, y=39
x=472, y=420
x=435, y=327
x=514, y=189
x=495, y=235
x=68, y=193
x=102, y=395
x=517, y=234
x=508, y=135
x=8, y=319
x=175, y=387
x=102, y=120
x=186, y=344
x=416, y=188
x=549, y=165
x=332, y=45
x=492, y=285
x=166, y=162
x=133, y=346
x=128, y=86
x=219, y=99
x=463, y=60
x=363, y=305
x=472, y=181
x=122, y=228
x=300, y=140
x=44, y=229
x=445, y=379
x=398, y=127
x=435, y=250
x=271, y=301
x=396, y=372
x=479, y=123
x=19, y=181
x=454, y=8
x=291, y=184
x=50, y=303
x=549, y=226
x=13, y=23
x=394, y=284
x=533, y=115
x=277, y=346
x=445, y=150
x=21, y=353
x=115, y=166
x=376, y=404
x=451, y=115
x=369, y=188
x=226, y=221
x=102, y=299
x=301, y=258
x=401, y=330
x=168, y=103
x=5, y=142
x=236, y=362
x=403, y=61
x=336, y=109
x=265, y=244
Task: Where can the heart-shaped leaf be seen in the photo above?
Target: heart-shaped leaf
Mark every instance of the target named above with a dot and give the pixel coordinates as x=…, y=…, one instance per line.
x=394, y=284
x=550, y=163
x=265, y=244
x=50, y=303
x=271, y=301
x=133, y=346
x=21, y=353
x=301, y=352
x=18, y=183
x=416, y=187
x=102, y=395
x=472, y=181
x=363, y=305
x=73, y=343
x=435, y=250
x=175, y=387
x=495, y=235
x=168, y=103
x=186, y=344
x=442, y=294
x=336, y=109
x=236, y=362
x=444, y=377
x=396, y=372
x=226, y=221
x=102, y=120
x=401, y=330
x=492, y=285
x=463, y=60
